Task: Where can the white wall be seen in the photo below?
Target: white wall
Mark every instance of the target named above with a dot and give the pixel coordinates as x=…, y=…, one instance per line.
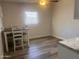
x=63, y=23
x=14, y=14
x=1, y=46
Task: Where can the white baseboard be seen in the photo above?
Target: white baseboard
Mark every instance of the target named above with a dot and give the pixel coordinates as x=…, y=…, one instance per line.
x=39, y=36
x=59, y=37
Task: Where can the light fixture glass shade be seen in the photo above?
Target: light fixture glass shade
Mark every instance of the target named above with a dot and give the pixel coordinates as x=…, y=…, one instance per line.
x=43, y=2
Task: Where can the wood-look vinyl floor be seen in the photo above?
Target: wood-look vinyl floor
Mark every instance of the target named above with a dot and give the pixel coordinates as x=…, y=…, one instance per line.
x=45, y=48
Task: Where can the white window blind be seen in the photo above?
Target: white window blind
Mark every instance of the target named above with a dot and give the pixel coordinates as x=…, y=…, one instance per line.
x=31, y=18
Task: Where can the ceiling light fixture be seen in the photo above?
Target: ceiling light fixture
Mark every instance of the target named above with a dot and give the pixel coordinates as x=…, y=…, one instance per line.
x=43, y=2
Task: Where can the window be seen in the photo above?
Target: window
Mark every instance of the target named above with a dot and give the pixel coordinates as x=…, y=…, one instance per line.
x=31, y=18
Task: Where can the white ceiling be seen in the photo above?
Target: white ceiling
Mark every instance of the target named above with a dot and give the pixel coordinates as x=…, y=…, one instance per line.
x=24, y=1
x=29, y=1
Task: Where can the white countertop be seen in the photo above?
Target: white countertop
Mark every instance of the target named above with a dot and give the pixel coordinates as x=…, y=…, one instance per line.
x=72, y=43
